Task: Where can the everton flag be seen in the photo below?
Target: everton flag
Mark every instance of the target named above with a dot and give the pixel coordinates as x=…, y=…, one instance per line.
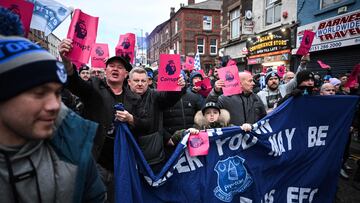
x=292, y=155
x=48, y=15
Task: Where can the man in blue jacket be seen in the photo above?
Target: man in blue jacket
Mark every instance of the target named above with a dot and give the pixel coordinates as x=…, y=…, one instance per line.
x=41, y=161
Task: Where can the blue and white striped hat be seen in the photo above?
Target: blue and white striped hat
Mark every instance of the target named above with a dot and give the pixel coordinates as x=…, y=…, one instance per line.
x=25, y=65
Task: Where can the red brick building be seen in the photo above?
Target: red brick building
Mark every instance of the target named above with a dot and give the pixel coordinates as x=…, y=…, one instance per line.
x=233, y=31
x=191, y=28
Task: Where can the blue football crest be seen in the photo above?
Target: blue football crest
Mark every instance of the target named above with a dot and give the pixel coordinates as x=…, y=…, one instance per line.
x=233, y=178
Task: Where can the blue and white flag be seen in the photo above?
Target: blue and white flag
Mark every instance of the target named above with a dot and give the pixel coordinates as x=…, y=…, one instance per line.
x=197, y=65
x=48, y=15
x=292, y=155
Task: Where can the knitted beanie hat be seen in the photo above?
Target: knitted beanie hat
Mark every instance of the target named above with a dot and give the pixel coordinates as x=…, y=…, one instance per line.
x=271, y=74
x=303, y=76
x=84, y=67
x=25, y=65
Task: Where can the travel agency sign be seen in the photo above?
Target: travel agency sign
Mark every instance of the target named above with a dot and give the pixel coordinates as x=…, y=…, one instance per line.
x=339, y=31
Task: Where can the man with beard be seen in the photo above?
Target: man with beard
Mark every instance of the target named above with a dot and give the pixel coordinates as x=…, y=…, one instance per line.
x=273, y=92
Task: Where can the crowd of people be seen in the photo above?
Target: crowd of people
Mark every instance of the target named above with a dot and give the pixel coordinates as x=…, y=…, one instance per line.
x=41, y=159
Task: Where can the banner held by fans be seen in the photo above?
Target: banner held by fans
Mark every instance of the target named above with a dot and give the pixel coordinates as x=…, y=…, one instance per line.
x=294, y=154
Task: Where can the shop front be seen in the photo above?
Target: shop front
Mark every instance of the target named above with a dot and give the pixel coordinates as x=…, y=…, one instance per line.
x=234, y=52
x=269, y=51
x=336, y=42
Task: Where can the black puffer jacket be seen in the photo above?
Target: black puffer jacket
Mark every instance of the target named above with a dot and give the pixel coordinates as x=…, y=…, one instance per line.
x=181, y=115
x=154, y=103
x=243, y=108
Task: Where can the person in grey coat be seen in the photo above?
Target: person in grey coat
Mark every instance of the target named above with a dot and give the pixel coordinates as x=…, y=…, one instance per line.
x=245, y=107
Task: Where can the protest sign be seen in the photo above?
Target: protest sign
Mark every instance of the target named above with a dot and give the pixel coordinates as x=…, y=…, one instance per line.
x=82, y=31
x=169, y=72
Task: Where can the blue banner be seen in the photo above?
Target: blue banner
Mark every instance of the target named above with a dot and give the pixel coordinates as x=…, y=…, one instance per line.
x=292, y=155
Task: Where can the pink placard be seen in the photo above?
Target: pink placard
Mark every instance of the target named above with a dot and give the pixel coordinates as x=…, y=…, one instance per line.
x=83, y=31
x=198, y=144
x=201, y=71
x=169, y=72
x=281, y=71
x=323, y=65
x=189, y=63
x=231, y=62
x=232, y=82
x=99, y=53
x=205, y=85
x=306, y=43
x=353, y=78
x=126, y=46
x=21, y=8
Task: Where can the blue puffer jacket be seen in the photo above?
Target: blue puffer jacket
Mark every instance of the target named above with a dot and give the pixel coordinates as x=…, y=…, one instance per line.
x=73, y=142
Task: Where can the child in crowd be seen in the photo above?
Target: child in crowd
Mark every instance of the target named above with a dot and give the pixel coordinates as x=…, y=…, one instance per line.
x=210, y=116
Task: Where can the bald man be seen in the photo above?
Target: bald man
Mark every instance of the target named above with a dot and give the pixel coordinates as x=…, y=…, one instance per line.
x=288, y=76
x=246, y=107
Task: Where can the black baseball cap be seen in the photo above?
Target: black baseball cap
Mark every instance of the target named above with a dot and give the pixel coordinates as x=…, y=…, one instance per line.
x=210, y=105
x=122, y=60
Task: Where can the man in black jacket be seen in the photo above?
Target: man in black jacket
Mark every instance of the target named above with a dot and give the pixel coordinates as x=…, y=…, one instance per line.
x=99, y=97
x=150, y=136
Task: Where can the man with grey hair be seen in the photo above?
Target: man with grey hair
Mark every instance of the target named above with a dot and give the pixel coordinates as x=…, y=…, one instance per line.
x=150, y=137
x=327, y=89
x=288, y=76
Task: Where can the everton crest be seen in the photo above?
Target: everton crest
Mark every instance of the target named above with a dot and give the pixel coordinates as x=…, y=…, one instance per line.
x=233, y=178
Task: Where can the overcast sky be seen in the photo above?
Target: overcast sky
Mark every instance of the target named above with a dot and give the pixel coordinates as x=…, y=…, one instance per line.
x=119, y=16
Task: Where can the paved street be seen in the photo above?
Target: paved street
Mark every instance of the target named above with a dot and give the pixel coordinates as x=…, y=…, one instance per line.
x=347, y=193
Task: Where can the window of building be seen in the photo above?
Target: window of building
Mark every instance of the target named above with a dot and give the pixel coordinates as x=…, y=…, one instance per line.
x=175, y=48
x=200, y=45
x=273, y=11
x=207, y=23
x=178, y=47
x=176, y=27
x=213, y=46
x=235, y=23
x=328, y=3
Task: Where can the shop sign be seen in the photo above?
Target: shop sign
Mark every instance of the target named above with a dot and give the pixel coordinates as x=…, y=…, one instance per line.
x=339, y=31
x=269, y=43
x=282, y=57
x=253, y=61
x=248, y=27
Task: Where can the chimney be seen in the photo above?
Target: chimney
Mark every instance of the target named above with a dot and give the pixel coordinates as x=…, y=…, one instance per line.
x=191, y=2
x=172, y=11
